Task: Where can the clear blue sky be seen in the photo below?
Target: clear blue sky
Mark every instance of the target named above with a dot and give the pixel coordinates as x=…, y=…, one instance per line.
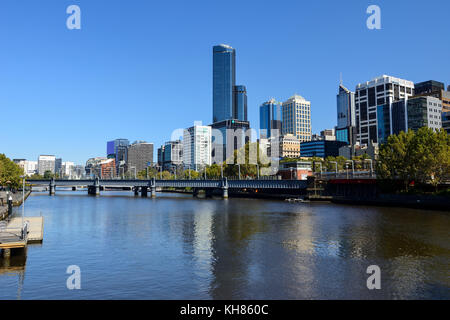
x=139, y=69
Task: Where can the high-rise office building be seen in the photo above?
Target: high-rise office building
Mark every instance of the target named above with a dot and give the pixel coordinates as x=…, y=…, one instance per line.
x=346, y=118
x=58, y=166
x=139, y=156
x=270, y=118
x=46, y=163
x=411, y=114
x=434, y=89
x=377, y=92
x=446, y=121
x=224, y=81
x=228, y=136
x=230, y=119
x=240, y=103
x=297, y=117
x=170, y=155
x=117, y=149
x=197, y=147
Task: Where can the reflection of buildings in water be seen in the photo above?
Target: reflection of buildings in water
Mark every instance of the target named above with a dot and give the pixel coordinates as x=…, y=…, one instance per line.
x=232, y=262
x=15, y=265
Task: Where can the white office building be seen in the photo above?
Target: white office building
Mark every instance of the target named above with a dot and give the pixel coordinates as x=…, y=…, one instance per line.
x=297, y=118
x=371, y=94
x=46, y=163
x=197, y=147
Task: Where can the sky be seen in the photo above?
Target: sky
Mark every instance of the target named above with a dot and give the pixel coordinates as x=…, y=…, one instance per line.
x=140, y=69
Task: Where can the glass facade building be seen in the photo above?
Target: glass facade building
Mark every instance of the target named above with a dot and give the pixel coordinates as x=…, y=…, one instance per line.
x=345, y=108
x=240, y=103
x=224, y=81
x=446, y=121
x=269, y=118
x=321, y=148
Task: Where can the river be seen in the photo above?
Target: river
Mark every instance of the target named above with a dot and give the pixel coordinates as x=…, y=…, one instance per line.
x=180, y=247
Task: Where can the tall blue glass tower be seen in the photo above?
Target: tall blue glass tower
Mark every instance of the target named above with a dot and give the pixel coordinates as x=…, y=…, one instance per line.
x=269, y=118
x=240, y=103
x=224, y=81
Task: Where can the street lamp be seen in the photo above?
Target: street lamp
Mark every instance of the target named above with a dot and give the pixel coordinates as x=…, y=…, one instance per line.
x=353, y=166
x=320, y=167
x=23, y=200
x=335, y=162
x=239, y=168
x=371, y=166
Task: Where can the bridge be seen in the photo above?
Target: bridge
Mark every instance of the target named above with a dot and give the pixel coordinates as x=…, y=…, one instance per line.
x=144, y=186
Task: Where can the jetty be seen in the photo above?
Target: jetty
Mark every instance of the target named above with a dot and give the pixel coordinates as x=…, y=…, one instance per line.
x=15, y=235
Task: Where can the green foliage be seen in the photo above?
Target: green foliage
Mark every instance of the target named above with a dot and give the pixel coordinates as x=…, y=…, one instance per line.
x=10, y=172
x=422, y=157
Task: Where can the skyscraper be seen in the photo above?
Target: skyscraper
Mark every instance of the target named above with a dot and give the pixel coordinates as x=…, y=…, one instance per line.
x=224, y=81
x=371, y=94
x=269, y=118
x=139, y=156
x=346, y=118
x=297, y=118
x=240, y=103
x=230, y=123
x=46, y=163
x=197, y=147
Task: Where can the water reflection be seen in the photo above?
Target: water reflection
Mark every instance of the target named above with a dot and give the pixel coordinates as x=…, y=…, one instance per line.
x=177, y=247
x=14, y=266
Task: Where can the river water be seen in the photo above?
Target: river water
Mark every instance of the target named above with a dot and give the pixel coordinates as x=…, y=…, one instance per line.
x=179, y=247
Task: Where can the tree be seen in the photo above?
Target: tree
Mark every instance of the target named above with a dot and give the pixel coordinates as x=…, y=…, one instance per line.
x=48, y=175
x=422, y=156
x=10, y=172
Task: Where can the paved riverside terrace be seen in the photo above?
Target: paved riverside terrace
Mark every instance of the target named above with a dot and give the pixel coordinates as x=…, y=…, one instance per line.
x=150, y=185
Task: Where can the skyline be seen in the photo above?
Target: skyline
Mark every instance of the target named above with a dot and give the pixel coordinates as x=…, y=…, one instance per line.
x=132, y=91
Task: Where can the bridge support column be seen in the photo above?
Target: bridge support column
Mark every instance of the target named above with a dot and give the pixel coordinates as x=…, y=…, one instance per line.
x=153, y=188
x=6, y=253
x=225, y=188
x=225, y=192
x=136, y=191
x=97, y=187
x=52, y=188
x=195, y=192
x=144, y=191
x=74, y=188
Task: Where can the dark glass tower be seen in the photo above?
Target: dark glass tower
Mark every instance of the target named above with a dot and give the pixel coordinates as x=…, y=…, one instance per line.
x=224, y=81
x=240, y=103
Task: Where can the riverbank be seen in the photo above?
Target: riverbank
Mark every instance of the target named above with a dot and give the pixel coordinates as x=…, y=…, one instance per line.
x=17, y=201
x=404, y=201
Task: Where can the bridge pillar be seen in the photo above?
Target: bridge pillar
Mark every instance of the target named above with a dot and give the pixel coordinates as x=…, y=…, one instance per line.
x=144, y=191
x=225, y=188
x=225, y=192
x=136, y=191
x=52, y=187
x=153, y=188
x=6, y=253
x=195, y=192
x=97, y=187
x=74, y=188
